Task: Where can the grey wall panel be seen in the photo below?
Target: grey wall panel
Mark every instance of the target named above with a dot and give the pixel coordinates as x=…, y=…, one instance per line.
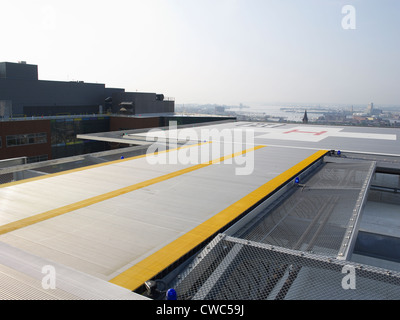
x=144, y=102
x=25, y=93
x=19, y=71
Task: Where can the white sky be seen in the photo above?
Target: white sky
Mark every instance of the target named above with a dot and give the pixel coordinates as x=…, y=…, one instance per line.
x=213, y=51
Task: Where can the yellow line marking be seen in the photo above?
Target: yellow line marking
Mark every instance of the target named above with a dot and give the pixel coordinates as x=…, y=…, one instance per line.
x=148, y=268
x=97, y=165
x=87, y=202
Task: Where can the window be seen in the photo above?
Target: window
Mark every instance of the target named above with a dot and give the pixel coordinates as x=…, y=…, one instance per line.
x=41, y=138
x=11, y=141
x=26, y=139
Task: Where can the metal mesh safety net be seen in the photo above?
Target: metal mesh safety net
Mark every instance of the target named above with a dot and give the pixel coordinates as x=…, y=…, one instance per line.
x=238, y=269
x=296, y=248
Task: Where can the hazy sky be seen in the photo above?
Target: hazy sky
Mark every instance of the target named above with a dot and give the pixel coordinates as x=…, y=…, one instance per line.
x=213, y=51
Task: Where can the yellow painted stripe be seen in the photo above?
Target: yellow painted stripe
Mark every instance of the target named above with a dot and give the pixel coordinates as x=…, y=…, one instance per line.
x=87, y=202
x=148, y=268
x=97, y=165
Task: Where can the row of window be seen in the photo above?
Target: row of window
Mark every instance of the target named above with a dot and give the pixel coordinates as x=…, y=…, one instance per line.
x=26, y=139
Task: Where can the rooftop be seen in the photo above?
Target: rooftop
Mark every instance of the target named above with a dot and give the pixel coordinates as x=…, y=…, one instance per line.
x=184, y=199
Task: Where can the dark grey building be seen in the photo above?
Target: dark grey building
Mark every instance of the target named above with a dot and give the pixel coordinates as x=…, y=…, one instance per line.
x=141, y=102
x=23, y=94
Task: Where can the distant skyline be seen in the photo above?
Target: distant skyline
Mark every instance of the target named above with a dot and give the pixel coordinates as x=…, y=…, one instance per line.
x=228, y=52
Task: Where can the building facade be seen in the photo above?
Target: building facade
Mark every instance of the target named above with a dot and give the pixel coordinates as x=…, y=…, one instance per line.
x=40, y=120
x=31, y=139
x=22, y=94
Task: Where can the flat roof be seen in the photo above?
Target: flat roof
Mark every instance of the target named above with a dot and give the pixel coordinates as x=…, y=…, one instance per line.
x=369, y=140
x=123, y=221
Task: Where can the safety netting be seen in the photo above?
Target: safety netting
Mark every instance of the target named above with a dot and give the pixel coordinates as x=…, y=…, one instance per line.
x=296, y=248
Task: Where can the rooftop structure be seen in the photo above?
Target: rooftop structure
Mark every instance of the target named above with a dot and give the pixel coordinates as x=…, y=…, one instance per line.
x=229, y=210
x=22, y=94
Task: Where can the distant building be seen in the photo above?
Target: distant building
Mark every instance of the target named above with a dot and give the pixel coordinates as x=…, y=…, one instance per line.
x=370, y=108
x=305, y=117
x=219, y=109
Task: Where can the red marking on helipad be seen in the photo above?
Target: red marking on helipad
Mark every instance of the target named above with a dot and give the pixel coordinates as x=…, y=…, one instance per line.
x=314, y=133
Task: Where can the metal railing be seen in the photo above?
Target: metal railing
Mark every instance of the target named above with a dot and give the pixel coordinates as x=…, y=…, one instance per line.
x=29, y=118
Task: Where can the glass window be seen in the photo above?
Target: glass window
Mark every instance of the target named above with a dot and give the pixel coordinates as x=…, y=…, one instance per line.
x=23, y=139
x=31, y=138
x=41, y=137
x=26, y=139
x=11, y=141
